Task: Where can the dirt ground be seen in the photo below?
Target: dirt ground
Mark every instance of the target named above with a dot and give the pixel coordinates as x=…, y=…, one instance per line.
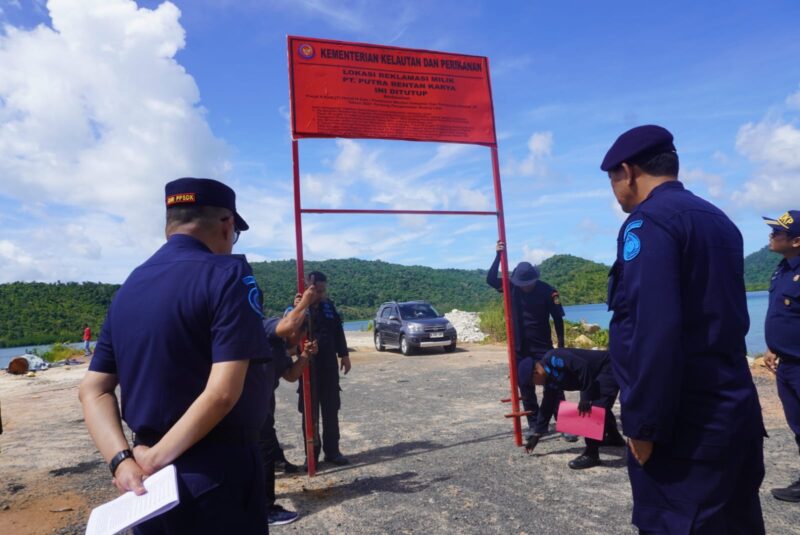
x=429, y=447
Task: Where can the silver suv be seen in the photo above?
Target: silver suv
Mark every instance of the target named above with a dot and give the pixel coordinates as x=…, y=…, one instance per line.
x=411, y=325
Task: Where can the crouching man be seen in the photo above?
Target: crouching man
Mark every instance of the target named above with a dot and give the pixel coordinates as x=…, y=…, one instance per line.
x=577, y=369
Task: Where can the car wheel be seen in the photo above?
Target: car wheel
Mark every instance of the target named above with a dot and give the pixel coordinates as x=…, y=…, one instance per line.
x=405, y=347
x=379, y=342
x=450, y=348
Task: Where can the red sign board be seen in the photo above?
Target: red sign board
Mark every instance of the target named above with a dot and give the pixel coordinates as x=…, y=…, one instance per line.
x=356, y=90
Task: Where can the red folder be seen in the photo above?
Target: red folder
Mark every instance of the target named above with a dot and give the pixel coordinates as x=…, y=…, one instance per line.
x=590, y=426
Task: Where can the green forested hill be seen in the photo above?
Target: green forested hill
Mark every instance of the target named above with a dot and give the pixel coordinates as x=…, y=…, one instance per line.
x=578, y=280
x=759, y=267
x=359, y=286
x=34, y=313
x=38, y=313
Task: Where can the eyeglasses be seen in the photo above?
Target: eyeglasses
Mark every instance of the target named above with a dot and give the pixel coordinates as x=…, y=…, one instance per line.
x=236, y=231
x=776, y=233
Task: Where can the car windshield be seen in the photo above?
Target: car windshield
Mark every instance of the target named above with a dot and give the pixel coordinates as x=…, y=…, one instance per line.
x=417, y=311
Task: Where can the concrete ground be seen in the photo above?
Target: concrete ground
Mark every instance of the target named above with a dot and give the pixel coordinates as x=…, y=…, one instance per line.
x=430, y=452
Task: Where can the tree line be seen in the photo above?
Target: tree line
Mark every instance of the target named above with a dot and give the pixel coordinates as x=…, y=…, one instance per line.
x=34, y=313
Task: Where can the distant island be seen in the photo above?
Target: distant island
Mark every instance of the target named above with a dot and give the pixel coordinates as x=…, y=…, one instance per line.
x=34, y=313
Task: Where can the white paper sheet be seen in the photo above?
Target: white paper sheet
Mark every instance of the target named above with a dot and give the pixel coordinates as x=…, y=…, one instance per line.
x=129, y=509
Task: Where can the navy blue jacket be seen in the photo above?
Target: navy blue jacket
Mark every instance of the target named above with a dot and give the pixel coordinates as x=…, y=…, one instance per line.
x=571, y=369
x=327, y=330
x=531, y=314
x=181, y=311
x=678, y=328
x=782, y=325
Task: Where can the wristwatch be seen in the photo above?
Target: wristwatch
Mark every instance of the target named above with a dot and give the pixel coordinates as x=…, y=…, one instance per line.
x=118, y=458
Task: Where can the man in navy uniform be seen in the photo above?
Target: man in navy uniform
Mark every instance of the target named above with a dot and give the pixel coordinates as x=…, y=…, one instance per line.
x=284, y=334
x=325, y=327
x=590, y=372
x=782, y=327
x=689, y=405
x=183, y=338
x=533, y=303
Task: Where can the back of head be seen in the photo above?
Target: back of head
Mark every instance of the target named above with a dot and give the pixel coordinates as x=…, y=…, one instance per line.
x=200, y=201
x=315, y=276
x=649, y=147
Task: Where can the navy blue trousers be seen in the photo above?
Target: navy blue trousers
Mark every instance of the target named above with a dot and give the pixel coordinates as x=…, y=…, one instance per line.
x=788, y=381
x=606, y=397
x=699, y=497
x=325, y=382
x=221, y=490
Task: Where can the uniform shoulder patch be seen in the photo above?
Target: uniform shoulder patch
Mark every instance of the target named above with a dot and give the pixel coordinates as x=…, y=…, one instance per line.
x=632, y=245
x=253, y=294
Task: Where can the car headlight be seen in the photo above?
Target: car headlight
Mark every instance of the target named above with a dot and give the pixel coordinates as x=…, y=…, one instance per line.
x=450, y=326
x=415, y=328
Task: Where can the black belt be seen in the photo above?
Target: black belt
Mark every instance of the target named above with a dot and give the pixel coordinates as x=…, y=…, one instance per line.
x=223, y=435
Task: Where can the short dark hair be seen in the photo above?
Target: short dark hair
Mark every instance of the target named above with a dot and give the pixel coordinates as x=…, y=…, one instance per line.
x=318, y=276
x=662, y=164
x=203, y=215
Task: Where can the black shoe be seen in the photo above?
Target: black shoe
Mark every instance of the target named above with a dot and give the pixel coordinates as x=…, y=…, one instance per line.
x=615, y=440
x=339, y=460
x=531, y=443
x=584, y=461
x=789, y=494
x=569, y=437
x=278, y=516
x=287, y=467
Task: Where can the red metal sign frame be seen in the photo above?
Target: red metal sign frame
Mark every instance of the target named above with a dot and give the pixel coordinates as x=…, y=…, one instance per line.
x=515, y=413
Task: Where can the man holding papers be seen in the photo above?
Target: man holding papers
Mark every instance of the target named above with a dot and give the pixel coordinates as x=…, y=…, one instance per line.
x=184, y=340
x=577, y=369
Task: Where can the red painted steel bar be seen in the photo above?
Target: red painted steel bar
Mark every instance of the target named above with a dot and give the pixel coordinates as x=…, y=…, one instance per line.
x=412, y=212
x=298, y=234
x=512, y=361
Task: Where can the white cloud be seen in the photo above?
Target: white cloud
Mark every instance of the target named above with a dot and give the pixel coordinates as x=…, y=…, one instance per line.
x=367, y=17
x=540, y=148
x=95, y=116
x=773, y=146
x=618, y=211
x=571, y=196
x=715, y=184
x=793, y=100
x=535, y=256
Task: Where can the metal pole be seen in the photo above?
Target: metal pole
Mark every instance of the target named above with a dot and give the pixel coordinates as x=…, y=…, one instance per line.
x=512, y=361
x=298, y=234
x=411, y=212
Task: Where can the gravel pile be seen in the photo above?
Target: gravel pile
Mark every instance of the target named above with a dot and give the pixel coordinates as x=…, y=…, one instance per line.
x=467, y=324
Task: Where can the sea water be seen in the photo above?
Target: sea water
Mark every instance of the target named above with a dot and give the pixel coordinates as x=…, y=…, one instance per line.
x=596, y=313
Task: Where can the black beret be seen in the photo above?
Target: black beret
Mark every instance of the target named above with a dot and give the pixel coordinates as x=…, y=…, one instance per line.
x=203, y=192
x=646, y=140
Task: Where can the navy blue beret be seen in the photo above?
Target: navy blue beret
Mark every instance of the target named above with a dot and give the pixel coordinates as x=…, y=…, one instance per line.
x=639, y=143
x=203, y=192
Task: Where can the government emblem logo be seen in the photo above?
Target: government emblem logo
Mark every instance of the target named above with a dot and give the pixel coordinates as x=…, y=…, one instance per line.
x=306, y=51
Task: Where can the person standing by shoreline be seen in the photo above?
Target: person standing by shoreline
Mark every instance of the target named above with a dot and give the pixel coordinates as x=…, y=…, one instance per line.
x=690, y=408
x=782, y=327
x=87, y=337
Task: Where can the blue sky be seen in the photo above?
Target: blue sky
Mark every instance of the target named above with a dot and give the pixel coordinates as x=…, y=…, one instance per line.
x=103, y=101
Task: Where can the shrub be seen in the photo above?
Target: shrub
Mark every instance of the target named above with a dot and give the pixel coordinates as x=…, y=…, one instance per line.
x=60, y=351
